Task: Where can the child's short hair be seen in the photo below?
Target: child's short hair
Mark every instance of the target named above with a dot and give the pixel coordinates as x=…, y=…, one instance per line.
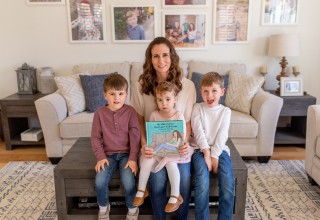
x=115, y=81
x=212, y=77
x=166, y=86
x=130, y=14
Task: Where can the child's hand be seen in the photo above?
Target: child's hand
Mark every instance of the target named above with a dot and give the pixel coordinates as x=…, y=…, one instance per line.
x=100, y=165
x=207, y=158
x=215, y=163
x=147, y=152
x=133, y=166
x=183, y=149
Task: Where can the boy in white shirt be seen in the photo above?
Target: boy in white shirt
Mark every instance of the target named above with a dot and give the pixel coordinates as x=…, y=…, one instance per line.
x=210, y=123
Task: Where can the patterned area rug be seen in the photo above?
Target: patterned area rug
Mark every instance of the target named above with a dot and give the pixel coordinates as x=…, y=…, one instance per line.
x=277, y=190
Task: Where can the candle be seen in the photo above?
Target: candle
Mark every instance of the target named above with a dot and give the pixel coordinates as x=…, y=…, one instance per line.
x=296, y=69
x=263, y=69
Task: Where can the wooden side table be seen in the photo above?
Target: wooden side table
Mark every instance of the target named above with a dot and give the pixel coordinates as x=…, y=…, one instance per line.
x=15, y=111
x=296, y=107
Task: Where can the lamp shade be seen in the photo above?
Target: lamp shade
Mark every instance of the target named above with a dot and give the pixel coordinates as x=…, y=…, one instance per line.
x=282, y=45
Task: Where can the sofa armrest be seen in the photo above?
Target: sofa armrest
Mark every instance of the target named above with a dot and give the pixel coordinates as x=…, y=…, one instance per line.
x=266, y=109
x=51, y=110
x=313, y=135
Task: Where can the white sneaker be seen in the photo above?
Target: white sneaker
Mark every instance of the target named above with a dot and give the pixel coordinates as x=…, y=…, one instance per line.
x=133, y=216
x=104, y=215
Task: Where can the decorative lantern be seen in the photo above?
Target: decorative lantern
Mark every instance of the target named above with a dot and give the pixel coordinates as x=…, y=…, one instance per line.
x=27, y=79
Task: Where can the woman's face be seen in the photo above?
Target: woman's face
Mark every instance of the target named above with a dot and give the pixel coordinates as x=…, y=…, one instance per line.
x=161, y=61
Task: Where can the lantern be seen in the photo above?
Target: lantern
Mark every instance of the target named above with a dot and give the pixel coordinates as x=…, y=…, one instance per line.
x=27, y=79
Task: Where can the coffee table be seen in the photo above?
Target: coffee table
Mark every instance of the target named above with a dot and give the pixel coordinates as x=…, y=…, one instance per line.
x=74, y=178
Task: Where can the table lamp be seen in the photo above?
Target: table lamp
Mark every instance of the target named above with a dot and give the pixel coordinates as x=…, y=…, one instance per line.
x=283, y=45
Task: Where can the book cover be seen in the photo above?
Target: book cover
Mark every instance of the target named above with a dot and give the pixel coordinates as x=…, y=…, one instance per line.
x=165, y=137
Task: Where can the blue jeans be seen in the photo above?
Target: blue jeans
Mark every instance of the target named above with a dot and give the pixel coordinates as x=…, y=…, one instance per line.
x=157, y=186
x=201, y=186
x=116, y=161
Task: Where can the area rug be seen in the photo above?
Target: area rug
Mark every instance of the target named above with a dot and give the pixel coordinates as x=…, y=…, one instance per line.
x=277, y=190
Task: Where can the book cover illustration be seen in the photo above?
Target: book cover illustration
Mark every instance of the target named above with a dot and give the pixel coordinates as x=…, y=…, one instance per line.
x=165, y=137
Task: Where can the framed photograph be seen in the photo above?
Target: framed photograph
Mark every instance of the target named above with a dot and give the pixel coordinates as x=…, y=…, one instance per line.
x=185, y=30
x=133, y=24
x=231, y=18
x=45, y=2
x=86, y=19
x=279, y=12
x=184, y=3
x=291, y=86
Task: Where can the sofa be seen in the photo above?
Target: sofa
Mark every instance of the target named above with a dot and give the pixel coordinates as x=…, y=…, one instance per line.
x=251, y=132
x=312, y=152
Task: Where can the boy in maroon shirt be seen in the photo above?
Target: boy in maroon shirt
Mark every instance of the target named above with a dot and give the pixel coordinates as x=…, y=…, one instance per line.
x=115, y=140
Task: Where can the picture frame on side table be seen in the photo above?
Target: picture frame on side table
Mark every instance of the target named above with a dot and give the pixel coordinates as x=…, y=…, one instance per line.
x=184, y=3
x=291, y=86
x=133, y=24
x=231, y=21
x=45, y=2
x=279, y=12
x=186, y=31
x=86, y=21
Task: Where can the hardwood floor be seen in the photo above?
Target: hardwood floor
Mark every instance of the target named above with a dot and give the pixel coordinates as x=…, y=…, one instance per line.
x=38, y=153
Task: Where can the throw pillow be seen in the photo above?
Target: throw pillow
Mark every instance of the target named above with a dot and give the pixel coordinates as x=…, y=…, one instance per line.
x=241, y=91
x=196, y=79
x=93, y=91
x=71, y=89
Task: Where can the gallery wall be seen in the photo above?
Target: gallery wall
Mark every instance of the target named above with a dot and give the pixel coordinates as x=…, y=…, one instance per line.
x=39, y=36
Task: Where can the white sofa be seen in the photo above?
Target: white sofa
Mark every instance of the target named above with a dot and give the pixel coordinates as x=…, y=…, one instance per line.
x=252, y=134
x=312, y=153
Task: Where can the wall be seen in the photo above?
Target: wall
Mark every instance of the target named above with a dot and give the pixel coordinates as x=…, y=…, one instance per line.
x=38, y=35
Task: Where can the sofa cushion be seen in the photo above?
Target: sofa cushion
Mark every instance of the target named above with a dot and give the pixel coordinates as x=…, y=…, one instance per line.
x=242, y=125
x=71, y=89
x=196, y=79
x=76, y=126
x=241, y=90
x=93, y=91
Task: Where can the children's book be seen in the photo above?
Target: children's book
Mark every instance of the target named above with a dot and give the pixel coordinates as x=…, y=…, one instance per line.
x=165, y=137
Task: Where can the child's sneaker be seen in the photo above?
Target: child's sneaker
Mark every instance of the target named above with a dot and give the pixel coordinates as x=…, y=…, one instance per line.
x=133, y=216
x=104, y=215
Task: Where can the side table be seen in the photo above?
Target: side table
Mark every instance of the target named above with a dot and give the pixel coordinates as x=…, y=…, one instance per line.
x=296, y=107
x=15, y=110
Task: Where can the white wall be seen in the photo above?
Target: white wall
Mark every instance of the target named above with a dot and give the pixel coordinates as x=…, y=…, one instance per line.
x=38, y=35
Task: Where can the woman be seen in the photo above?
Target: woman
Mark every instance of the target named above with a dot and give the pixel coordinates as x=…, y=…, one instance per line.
x=162, y=64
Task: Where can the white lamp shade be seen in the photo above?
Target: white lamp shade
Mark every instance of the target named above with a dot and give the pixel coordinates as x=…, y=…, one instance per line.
x=283, y=45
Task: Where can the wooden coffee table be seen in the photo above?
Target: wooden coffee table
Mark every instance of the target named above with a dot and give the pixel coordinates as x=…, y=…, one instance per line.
x=74, y=178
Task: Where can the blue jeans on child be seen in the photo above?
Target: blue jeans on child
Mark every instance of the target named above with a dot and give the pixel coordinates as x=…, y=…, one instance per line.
x=158, y=185
x=202, y=182
x=116, y=161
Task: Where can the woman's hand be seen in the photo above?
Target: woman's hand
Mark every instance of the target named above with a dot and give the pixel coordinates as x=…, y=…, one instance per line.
x=147, y=152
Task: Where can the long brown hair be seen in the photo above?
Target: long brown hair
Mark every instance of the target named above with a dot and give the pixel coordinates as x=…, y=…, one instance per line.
x=148, y=78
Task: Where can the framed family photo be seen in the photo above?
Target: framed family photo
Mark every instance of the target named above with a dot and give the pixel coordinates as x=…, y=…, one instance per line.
x=185, y=30
x=279, y=12
x=184, y=3
x=291, y=86
x=86, y=19
x=231, y=18
x=133, y=24
x=45, y=2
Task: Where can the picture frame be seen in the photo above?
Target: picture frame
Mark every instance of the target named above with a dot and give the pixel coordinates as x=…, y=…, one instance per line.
x=291, y=86
x=231, y=21
x=142, y=16
x=279, y=12
x=45, y=2
x=177, y=28
x=86, y=21
x=184, y=3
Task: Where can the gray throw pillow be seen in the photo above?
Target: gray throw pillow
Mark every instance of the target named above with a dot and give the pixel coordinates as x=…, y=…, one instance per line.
x=196, y=78
x=93, y=91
